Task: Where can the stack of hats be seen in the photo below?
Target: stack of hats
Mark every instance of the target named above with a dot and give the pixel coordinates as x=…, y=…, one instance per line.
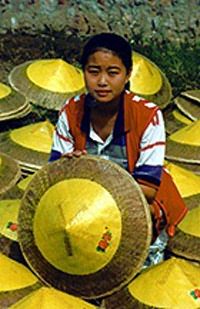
x=9, y=173
x=174, y=283
x=184, y=110
x=148, y=81
x=47, y=82
x=13, y=105
x=30, y=145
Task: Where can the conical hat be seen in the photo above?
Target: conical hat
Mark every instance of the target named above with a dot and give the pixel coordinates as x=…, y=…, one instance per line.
x=16, y=281
x=174, y=283
x=4, y=91
x=184, y=145
x=186, y=181
x=186, y=242
x=97, y=218
x=8, y=218
x=29, y=145
x=149, y=81
x=9, y=172
x=49, y=298
x=174, y=119
x=12, y=104
x=193, y=94
x=188, y=107
x=47, y=82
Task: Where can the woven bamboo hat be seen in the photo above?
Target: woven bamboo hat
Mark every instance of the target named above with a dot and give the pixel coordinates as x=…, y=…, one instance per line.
x=9, y=172
x=174, y=119
x=174, y=283
x=149, y=81
x=12, y=104
x=47, y=82
x=49, y=298
x=30, y=145
x=193, y=94
x=187, y=182
x=186, y=242
x=184, y=145
x=188, y=107
x=16, y=281
x=95, y=215
x=8, y=218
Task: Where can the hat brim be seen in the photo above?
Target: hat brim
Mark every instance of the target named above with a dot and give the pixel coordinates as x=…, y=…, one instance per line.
x=14, y=105
x=188, y=107
x=44, y=98
x=9, y=172
x=171, y=123
x=182, y=152
x=24, y=156
x=192, y=94
x=185, y=246
x=136, y=226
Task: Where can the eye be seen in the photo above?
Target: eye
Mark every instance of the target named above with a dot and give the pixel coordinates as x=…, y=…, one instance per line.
x=113, y=73
x=93, y=71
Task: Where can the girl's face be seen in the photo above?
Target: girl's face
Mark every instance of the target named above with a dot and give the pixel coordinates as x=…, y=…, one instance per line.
x=105, y=76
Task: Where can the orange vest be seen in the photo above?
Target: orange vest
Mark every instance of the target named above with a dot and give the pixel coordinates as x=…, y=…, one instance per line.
x=137, y=117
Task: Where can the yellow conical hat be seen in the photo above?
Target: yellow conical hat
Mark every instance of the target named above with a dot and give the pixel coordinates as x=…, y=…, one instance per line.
x=55, y=75
x=14, y=275
x=191, y=223
x=86, y=221
x=8, y=218
x=188, y=135
x=182, y=118
x=173, y=283
x=49, y=298
x=4, y=91
x=187, y=182
x=37, y=136
x=145, y=77
x=24, y=182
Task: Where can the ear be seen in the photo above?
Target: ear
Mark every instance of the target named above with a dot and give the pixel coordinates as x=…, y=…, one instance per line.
x=128, y=75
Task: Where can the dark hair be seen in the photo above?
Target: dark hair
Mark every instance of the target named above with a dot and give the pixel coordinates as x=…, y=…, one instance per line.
x=110, y=41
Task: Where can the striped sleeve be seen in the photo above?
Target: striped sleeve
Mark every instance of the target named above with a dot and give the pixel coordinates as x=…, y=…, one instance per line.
x=62, y=139
x=152, y=151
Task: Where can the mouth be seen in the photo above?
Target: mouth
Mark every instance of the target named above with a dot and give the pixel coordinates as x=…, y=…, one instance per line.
x=102, y=93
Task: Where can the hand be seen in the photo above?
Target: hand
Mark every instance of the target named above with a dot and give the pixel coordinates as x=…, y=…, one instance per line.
x=75, y=153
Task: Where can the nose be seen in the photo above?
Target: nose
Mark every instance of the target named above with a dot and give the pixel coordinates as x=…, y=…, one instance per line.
x=102, y=81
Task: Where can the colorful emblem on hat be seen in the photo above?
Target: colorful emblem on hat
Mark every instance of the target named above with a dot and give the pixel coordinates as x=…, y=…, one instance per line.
x=104, y=243
x=12, y=226
x=195, y=294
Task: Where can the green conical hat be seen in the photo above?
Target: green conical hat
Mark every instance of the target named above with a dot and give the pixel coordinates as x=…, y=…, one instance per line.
x=193, y=94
